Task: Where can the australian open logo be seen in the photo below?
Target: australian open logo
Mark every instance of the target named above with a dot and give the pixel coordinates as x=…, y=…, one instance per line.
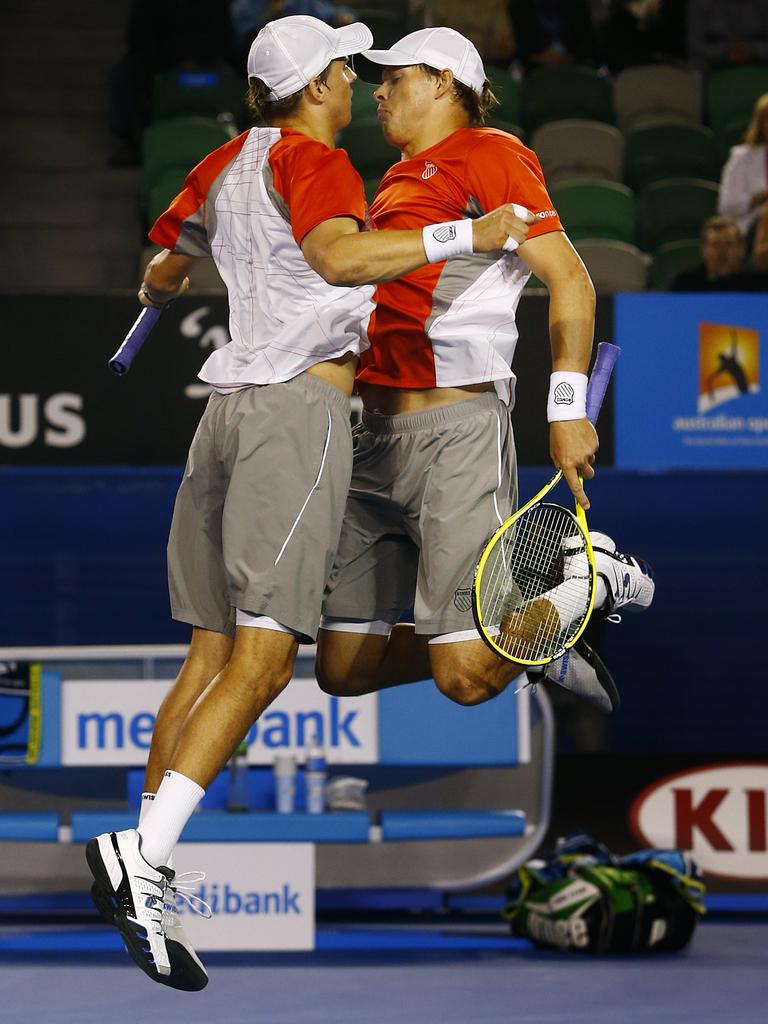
x=445, y=233
x=429, y=170
x=463, y=599
x=729, y=364
x=564, y=394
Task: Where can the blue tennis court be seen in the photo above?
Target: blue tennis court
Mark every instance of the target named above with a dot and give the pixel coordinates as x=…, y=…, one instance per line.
x=487, y=979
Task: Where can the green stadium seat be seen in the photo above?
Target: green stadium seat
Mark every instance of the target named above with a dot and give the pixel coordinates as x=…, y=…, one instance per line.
x=669, y=211
x=731, y=94
x=205, y=91
x=553, y=94
x=656, y=91
x=590, y=208
x=579, y=149
x=507, y=91
x=671, y=258
x=730, y=136
x=166, y=188
x=613, y=266
x=368, y=150
x=179, y=142
x=670, y=149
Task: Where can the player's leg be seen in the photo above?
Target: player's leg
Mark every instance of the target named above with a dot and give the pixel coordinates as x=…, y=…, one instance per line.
x=275, y=559
x=471, y=674
x=209, y=651
x=351, y=663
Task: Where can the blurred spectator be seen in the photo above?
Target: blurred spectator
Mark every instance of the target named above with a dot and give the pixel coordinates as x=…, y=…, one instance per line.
x=722, y=266
x=487, y=24
x=744, y=181
x=721, y=33
x=162, y=34
x=248, y=16
x=642, y=32
x=550, y=33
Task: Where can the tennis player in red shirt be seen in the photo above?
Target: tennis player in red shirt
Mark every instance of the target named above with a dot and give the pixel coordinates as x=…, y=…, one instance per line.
x=434, y=472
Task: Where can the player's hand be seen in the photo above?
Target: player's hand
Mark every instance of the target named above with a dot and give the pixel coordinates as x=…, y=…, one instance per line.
x=158, y=299
x=572, y=448
x=503, y=228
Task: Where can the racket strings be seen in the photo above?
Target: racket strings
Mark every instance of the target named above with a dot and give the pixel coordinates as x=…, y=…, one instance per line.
x=536, y=584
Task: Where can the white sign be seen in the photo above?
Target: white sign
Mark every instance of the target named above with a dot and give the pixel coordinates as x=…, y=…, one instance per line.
x=111, y=722
x=261, y=895
x=718, y=813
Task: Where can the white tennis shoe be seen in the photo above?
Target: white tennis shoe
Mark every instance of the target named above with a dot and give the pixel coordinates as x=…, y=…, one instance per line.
x=140, y=900
x=628, y=580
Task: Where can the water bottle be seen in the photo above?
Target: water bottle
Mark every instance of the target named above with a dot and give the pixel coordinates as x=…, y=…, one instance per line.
x=315, y=774
x=237, y=787
x=284, y=770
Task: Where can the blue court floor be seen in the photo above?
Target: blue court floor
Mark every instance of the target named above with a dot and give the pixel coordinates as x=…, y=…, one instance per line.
x=721, y=979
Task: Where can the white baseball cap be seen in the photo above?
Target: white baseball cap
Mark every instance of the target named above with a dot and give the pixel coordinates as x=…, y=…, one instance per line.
x=441, y=48
x=289, y=52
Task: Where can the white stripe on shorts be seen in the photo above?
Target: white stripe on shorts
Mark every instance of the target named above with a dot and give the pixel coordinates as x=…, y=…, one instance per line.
x=311, y=492
x=498, y=485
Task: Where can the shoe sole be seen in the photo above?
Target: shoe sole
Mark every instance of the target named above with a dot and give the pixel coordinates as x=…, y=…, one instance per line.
x=604, y=677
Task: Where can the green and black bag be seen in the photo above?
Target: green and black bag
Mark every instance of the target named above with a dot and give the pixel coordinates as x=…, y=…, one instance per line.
x=586, y=899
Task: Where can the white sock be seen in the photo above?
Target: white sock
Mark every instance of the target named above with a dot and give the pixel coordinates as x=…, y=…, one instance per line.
x=146, y=803
x=147, y=800
x=163, y=823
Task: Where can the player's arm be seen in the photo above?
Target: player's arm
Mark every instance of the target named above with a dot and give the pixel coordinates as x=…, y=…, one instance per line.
x=572, y=442
x=343, y=255
x=166, y=277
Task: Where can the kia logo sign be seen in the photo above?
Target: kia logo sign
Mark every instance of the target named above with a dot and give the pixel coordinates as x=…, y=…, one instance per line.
x=718, y=813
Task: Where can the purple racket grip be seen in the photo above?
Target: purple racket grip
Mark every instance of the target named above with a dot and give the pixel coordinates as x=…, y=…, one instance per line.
x=607, y=354
x=134, y=339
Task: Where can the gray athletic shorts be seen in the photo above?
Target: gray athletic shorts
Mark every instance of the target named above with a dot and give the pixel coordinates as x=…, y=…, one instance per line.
x=259, y=511
x=427, y=491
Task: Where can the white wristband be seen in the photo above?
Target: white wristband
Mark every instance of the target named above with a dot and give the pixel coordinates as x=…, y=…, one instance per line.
x=452, y=238
x=567, y=396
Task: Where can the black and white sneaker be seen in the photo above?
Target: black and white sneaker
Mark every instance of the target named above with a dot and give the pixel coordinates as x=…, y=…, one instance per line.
x=628, y=580
x=140, y=901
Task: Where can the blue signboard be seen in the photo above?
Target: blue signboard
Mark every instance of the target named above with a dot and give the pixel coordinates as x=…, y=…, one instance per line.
x=689, y=393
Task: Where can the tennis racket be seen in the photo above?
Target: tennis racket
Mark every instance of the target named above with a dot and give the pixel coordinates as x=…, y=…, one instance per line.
x=534, y=586
x=134, y=339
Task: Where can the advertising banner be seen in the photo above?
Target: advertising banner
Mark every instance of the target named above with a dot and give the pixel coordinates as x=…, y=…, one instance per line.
x=110, y=722
x=60, y=405
x=689, y=393
x=261, y=895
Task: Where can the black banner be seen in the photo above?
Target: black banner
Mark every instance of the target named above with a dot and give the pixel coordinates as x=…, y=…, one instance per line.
x=61, y=406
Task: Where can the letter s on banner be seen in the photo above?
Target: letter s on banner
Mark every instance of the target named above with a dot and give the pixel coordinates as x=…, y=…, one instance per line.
x=718, y=813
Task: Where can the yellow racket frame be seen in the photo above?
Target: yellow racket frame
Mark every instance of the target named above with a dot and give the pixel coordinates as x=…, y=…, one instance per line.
x=581, y=521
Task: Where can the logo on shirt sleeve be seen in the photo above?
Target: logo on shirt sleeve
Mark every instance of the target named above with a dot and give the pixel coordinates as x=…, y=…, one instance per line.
x=429, y=170
x=445, y=233
x=564, y=394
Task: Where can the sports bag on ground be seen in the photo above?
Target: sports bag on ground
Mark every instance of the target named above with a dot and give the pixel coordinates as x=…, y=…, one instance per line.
x=587, y=899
